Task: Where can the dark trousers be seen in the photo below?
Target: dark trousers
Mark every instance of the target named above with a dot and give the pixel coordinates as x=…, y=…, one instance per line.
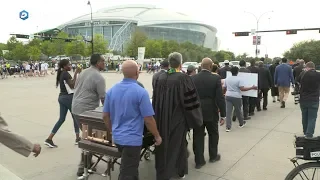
x=274, y=91
x=252, y=104
x=130, y=159
x=198, y=140
x=263, y=94
x=65, y=103
x=245, y=107
x=309, y=111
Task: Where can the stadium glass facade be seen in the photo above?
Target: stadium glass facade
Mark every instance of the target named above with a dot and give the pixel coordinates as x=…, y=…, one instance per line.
x=117, y=24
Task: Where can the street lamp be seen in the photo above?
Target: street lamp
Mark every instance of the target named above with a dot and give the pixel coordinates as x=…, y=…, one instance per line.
x=257, y=21
x=89, y=4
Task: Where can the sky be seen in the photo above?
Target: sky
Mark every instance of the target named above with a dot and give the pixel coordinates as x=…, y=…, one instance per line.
x=226, y=15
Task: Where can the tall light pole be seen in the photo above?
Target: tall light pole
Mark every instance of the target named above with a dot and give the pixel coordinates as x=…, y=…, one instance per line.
x=89, y=4
x=257, y=21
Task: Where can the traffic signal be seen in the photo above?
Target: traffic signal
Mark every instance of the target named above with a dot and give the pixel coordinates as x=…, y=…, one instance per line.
x=291, y=32
x=241, y=34
x=22, y=36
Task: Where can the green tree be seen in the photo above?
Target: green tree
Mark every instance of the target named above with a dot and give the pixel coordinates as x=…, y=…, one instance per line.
x=2, y=47
x=35, y=42
x=20, y=52
x=47, y=48
x=12, y=43
x=138, y=39
x=34, y=52
x=153, y=49
x=99, y=44
x=77, y=47
x=59, y=44
x=307, y=50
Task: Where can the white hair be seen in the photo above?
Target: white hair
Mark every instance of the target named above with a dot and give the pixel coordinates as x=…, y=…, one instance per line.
x=175, y=59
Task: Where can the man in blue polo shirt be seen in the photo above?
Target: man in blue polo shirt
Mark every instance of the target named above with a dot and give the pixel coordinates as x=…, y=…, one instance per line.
x=126, y=109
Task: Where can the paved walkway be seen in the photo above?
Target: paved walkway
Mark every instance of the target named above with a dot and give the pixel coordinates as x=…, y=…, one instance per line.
x=260, y=151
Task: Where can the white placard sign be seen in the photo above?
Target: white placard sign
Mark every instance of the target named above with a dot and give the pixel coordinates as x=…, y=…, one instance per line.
x=249, y=79
x=141, y=52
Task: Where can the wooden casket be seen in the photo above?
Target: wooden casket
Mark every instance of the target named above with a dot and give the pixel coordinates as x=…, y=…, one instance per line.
x=94, y=128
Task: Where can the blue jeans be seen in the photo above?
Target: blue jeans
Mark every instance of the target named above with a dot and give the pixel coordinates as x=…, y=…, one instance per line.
x=309, y=111
x=65, y=103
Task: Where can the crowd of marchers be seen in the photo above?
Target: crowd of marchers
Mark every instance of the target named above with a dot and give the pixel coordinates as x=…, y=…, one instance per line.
x=181, y=102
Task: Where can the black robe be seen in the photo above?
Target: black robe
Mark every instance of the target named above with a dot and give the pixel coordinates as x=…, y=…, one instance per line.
x=177, y=110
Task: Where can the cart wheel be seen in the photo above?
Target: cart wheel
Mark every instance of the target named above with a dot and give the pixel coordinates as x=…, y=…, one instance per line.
x=147, y=156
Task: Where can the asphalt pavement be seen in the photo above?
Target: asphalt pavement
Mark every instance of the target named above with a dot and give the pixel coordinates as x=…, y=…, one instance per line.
x=259, y=151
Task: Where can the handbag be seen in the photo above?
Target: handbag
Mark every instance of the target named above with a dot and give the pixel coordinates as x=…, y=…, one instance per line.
x=69, y=90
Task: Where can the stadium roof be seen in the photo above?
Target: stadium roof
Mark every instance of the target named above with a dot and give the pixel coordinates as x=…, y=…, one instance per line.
x=143, y=15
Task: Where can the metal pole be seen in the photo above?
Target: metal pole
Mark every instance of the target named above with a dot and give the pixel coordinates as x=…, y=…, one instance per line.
x=92, y=50
x=257, y=20
x=257, y=38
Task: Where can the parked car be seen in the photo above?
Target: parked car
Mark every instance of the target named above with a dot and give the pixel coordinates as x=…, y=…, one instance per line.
x=186, y=64
x=235, y=63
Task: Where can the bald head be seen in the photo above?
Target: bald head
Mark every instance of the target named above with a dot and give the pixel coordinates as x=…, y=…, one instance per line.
x=206, y=63
x=130, y=69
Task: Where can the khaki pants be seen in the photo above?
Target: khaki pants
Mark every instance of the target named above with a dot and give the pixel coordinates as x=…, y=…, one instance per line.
x=283, y=93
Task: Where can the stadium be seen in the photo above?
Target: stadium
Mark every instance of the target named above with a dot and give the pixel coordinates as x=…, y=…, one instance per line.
x=117, y=24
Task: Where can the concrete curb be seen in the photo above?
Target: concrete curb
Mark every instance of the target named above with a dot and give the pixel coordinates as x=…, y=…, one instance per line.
x=5, y=174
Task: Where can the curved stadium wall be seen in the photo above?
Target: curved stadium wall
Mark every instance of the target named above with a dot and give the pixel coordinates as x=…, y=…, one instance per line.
x=117, y=24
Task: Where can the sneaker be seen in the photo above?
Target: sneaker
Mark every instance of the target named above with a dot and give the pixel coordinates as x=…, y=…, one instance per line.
x=77, y=141
x=244, y=123
x=228, y=130
x=265, y=108
x=247, y=118
x=50, y=143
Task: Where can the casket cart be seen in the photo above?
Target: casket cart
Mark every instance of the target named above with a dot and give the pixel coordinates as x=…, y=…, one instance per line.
x=96, y=140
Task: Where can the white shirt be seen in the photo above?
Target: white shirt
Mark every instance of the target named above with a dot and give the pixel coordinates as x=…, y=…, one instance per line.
x=43, y=66
x=46, y=65
x=27, y=67
x=56, y=66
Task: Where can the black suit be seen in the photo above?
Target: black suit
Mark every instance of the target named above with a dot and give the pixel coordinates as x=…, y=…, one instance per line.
x=223, y=71
x=264, y=84
x=245, y=99
x=252, y=100
x=212, y=100
x=274, y=90
x=297, y=71
x=156, y=76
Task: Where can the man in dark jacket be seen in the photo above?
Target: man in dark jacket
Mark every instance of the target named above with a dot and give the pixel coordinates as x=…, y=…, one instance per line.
x=245, y=99
x=309, y=98
x=252, y=100
x=209, y=89
x=264, y=84
x=164, y=68
x=274, y=90
x=298, y=69
x=223, y=71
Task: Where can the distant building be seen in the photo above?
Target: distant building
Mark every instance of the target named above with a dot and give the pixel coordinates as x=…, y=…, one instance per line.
x=117, y=24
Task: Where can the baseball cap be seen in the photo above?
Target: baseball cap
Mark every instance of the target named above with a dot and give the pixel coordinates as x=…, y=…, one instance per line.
x=226, y=61
x=191, y=68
